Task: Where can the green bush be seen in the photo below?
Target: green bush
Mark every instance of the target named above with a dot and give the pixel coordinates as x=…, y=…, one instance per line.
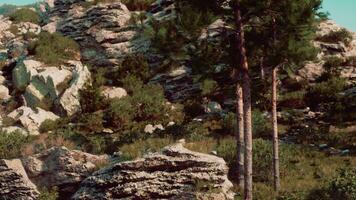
x=48, y=125
x=54, y=48
x=208, y=87
x=341, y=187
x=342, y=35
x=325, y=92
x=261, y=126
x=25, y=15
x=134, y=65
x=49, y=194
x=11, y=144
x=92, y=100
x=132, y=83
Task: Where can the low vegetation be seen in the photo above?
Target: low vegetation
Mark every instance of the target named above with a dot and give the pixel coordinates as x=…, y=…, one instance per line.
x=25, y=15
x=342, y=35
x=54, y=48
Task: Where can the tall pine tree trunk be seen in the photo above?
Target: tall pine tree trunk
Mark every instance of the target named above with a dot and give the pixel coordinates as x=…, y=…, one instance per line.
x=275, y=131
x=240, y=134
x=246, y=90
x=274, y=117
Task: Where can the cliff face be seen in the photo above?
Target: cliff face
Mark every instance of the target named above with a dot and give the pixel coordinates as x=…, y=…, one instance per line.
x=314, y=70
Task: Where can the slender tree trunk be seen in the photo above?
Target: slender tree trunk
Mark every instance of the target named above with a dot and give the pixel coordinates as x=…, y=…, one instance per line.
x=246, y=104
x=240, y=134
x=275, y=131
x=274, y=119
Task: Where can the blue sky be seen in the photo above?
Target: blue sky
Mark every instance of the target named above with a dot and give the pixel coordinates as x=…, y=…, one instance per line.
x=341, y=11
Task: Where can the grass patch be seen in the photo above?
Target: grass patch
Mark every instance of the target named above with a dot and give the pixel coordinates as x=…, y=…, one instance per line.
x=25, y=15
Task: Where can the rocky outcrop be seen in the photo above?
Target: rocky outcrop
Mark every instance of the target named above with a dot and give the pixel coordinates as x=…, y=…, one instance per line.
x=311, y=71
x=14, y=183
x=70, y=100
x=177, y=173
x=31, y=119
x=51, y=88
x=103, y=30
x=62, y=168
x=178, y=84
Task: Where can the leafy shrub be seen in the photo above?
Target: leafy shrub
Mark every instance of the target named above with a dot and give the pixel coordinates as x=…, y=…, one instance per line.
x=132, y=83
x=342, y=35
x=54, y=48
x=48, y=125
x=341, y=187
x=324, y=92
x=49, y=194
x=209, y=87
x=11, y=144
x=261, y=126
x=25, y=15
x=91, y=123
x=135, y=65
x=293, y=99
x=333, y=61
x=91, y=99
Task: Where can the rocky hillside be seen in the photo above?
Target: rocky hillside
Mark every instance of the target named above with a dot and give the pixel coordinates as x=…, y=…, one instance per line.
x=90, y=91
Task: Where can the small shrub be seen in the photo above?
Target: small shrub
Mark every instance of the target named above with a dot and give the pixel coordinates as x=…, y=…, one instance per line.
x=342, y=35
x=333, y=62
x=132, y=83
x=11, y=144
x=209, y=87
x=54, y=48
x=92, y=100
x=49, y=194
x=91, y=123
x=25, y=15
x=261, y=126
x=136, y=65
x=292, y=100
x=48, y=125
x=324, y=92
x=341, y=187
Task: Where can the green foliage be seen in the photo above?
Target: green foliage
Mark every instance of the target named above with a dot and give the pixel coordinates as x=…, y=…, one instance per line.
x=324, y=92
x=261, y=127
x=48, y=125
x=91, y=99
x=294, y=99
x=91, y=123
x=342, y=35
x=341, y=187
x=11, y=144
x=135, y=65
x=49, y=194
x=333, y=61
x=25, y=15
x=53, y=48
x=132, y=83
x=208, y=87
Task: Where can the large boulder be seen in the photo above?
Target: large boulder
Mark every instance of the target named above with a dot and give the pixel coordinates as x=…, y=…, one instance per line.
x=4, y=93
x=177, y=173
x=46, y=87
x=62, y=168
x=70, y=100
x=23, y=72
x=31, y=119
x=114, y=92
x=14, y=183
